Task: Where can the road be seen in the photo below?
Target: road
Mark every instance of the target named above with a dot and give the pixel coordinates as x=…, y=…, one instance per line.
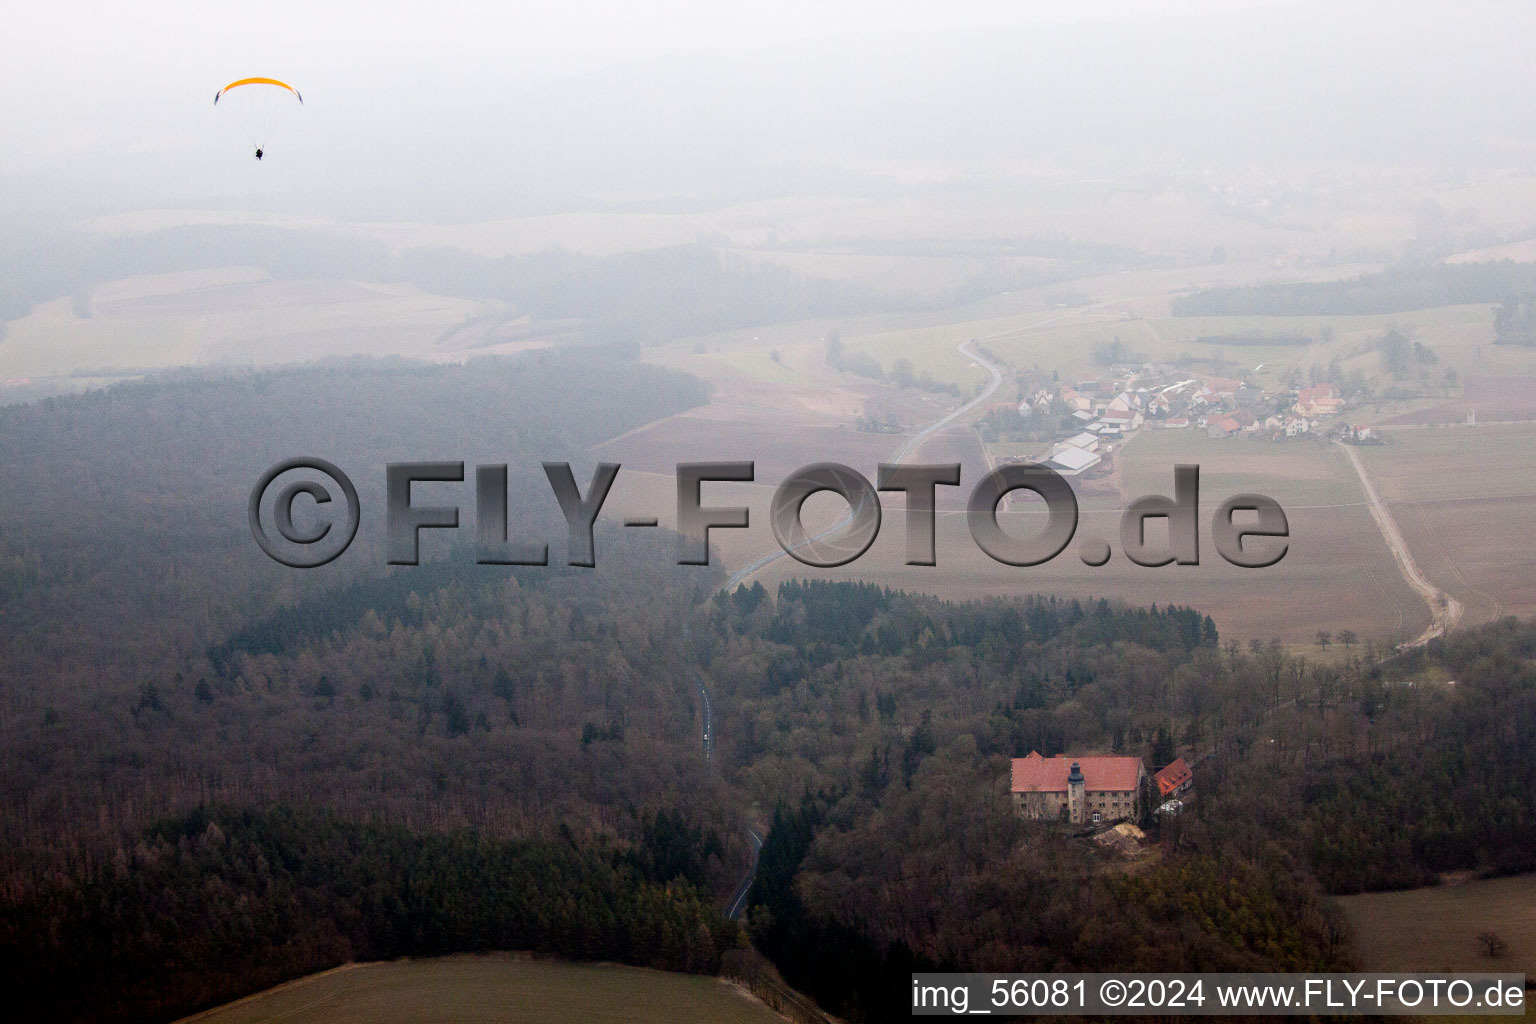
x=995, y=380
x=1444, y=610
x=739, y=897
x=708, y=718
x=910, y=445
x=739, y=900
x=707, y=742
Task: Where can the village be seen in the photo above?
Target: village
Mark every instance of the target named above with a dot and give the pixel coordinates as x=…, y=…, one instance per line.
x=1088, y=418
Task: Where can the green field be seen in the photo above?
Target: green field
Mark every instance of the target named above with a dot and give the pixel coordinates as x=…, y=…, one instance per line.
x=1064, y=340
x=263, y=322
x=1436, y=929
x=501, y=988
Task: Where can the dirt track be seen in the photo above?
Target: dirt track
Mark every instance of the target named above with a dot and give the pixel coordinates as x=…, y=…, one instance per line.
x=1444, y=610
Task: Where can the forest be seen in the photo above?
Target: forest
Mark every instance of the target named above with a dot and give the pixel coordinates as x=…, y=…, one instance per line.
x=880, y=727
x=630, y=298
x=221, y=773
x=1396, y=290
x=214, y=760
x=1514, y=321
x=207, y=906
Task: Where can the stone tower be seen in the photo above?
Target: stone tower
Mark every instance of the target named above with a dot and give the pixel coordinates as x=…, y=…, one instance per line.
x=1077, y=799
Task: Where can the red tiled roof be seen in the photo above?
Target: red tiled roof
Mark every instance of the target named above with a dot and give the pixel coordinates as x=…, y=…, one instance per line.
x=1036, y=774
x=1314, y=394
x=1173, y=776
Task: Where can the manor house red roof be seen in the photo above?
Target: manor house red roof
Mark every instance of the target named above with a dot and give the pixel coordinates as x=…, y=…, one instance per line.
x=1036, y=774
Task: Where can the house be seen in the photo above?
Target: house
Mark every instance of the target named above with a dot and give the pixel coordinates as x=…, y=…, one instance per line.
x=1127, y=420
x=1174, y=780
x=1176, y=422
x=1076, y=400
x=1321, y=400
x=1125, y=401
x=1222, y=426
x=1079, y=790
x=1221, y=387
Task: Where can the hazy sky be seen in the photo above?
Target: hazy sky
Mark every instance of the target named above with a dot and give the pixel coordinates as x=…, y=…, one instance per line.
x=84, y=75
x=402, y=97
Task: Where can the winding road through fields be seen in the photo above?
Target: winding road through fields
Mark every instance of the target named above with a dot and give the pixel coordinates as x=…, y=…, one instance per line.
x=910, y=445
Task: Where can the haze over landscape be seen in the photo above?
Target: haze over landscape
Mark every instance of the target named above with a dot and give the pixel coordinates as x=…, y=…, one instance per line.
x=1291, y=243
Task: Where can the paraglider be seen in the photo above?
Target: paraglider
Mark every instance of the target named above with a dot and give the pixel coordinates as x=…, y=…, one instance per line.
x=258, y=104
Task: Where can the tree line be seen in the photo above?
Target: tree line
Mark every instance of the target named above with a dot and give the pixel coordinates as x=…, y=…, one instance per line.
x=1396, y=290
x=635, y=298
x=219, y=902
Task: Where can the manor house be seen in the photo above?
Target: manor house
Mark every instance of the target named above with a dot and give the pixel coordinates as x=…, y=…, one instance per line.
x=1079, y=790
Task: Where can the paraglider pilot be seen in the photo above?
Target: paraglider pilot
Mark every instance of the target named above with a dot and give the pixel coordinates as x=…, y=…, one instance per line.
x=258, y=153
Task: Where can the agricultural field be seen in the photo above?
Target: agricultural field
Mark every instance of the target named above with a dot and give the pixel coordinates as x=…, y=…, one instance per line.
x=1464, y=499
x=1064, y=339
x=1336, y=555
x=1338, y=572
x=1336, y=547
x=504, y=989
x=594, y=234
x=777, y=403
x=182, y=319
x=1436, y=929
x=1487, y=399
